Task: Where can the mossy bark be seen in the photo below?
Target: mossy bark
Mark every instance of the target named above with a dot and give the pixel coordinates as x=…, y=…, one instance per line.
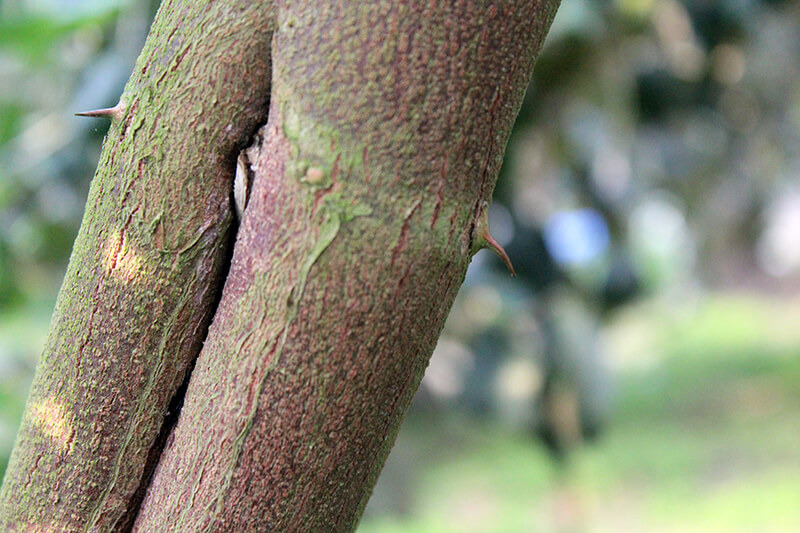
x=387, y=126
x=144, y=276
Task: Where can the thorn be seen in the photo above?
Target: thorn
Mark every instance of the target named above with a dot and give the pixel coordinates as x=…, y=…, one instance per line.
x=107, y=112
x=484, y=239
x=114, y=113
x=496, y=248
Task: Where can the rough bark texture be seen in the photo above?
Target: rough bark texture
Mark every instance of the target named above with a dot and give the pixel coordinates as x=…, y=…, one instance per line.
x=387, y=127
x=143, y=279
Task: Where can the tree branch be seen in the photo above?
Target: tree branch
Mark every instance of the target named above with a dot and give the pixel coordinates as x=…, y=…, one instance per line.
x=142, y=283
x=387, y=126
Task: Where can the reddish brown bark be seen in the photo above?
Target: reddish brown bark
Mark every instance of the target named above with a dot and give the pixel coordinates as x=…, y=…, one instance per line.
x=387, y=127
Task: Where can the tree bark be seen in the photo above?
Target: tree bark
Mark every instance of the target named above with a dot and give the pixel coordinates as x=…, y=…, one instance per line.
x=386, y=131
x=142, y=283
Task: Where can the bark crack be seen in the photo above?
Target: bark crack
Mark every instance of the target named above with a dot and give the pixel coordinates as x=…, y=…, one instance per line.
x=126, y=522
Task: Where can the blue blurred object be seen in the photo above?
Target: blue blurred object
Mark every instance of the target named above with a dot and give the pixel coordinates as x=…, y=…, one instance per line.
x=576, y=237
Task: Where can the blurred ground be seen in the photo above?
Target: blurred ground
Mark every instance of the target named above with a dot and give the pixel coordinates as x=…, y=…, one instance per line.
x=704, y=439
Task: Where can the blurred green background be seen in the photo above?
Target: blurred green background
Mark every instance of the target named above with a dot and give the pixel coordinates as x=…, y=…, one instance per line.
x=642, y=372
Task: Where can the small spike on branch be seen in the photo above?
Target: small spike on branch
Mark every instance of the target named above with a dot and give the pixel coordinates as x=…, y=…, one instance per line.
x=485, y=239
x=114, y=113
x=496, y=248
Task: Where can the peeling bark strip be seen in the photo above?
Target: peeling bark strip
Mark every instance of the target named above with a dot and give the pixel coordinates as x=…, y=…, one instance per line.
x=387, y=126
x=143, y=279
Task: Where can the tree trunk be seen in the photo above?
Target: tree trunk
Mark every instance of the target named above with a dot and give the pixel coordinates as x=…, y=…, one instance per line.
x=386, y=130
x=143, y=278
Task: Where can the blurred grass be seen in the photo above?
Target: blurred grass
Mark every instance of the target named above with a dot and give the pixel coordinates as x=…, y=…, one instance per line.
x=705, y=438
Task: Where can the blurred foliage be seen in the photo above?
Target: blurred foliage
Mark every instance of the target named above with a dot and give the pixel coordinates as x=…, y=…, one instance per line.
x=684, y=110
x=654, y=158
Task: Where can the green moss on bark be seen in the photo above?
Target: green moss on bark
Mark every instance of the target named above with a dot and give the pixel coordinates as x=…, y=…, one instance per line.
x=145, y=269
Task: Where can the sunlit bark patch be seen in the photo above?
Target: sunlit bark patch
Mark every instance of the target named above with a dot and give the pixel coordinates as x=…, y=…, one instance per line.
x=52, y=419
